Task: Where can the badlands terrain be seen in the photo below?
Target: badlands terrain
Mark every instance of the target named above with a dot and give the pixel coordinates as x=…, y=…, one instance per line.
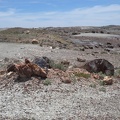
x=82, y=97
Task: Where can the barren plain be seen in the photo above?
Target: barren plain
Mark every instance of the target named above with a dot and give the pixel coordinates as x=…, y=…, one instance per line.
x=82, y=99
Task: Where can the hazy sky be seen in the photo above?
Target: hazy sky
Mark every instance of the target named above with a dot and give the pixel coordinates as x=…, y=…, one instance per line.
x=49, y=13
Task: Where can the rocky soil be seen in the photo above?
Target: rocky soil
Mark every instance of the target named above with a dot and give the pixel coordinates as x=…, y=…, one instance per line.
x=52, y=99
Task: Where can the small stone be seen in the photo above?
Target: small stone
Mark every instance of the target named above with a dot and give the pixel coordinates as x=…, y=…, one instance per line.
x=66, y=81
x=108, y=80
x=80, y=60
x=34, y=41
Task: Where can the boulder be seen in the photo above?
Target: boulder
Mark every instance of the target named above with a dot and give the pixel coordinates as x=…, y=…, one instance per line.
x=99, y=65
x=43, y=62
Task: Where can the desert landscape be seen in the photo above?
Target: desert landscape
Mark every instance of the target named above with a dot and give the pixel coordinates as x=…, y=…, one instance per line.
x=68, y=91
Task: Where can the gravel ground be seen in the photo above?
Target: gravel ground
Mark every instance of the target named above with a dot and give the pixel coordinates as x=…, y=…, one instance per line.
x=98, y=35
x=58, y=101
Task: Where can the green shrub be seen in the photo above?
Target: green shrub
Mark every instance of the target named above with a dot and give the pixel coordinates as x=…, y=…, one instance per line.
x=59, y=66
x=101, y=83
x=117, y=73
x=103, y=89
x=47, y=82
x=84, y=75
x=101, y=75
x=92, y=85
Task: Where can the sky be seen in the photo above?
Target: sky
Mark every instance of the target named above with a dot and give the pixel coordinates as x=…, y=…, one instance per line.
x=58, y=13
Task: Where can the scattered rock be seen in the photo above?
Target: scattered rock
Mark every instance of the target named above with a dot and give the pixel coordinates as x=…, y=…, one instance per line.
x=82, y=49
x=27, y=69
x=86, y=46
x=100, y=65
x=66, y=80
x=118, y=45
x=107, y=49
x=80, y=60
x=108, y=43
x=27, y=32
x=110, y=46
x=43, y=62
x=65, y=62
x=90, y=47
x=108, y=80
x=34, y=41
x=9, y=75
x=11, y=67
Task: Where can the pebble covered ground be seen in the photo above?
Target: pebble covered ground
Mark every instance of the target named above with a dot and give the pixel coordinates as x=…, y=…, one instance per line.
x=58, y=101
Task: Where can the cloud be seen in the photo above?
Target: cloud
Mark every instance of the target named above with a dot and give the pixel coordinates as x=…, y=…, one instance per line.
x=10, y=12
x=92, y=16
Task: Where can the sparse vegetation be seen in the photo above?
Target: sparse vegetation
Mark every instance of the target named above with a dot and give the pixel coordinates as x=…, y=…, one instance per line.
x=58, y=66
x=101, y=75
x=117, y=73
x=84, y=75
x=101, y=83
x=47, y=82
x=93, y=85
x=33, y=96
x=103, y=89
x=73, y=78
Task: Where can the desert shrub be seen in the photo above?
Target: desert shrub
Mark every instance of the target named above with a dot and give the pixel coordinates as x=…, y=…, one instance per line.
x=117, y=73
x=59, y=66
x=47, y=82
x=84, y=75
x=92, y=85
x=103, y=89
x=101, y=83
x=101, y=75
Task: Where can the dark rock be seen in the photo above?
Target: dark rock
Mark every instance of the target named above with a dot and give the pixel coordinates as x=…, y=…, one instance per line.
x=99, y=65
x=82, y=49
x=96, y=46
x=108, y=43
x=118, y=45
x=65, y=62
x=86, y=46
x=11, y=68
x=43, y=62
x=100, y=45
x=110, y=46
x=107, y=49
x=90, y=47
x=80, y=60
x=34, y=41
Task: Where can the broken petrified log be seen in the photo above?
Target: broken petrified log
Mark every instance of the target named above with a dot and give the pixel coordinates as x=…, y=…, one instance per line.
x=99, y=65
x=27, y=69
